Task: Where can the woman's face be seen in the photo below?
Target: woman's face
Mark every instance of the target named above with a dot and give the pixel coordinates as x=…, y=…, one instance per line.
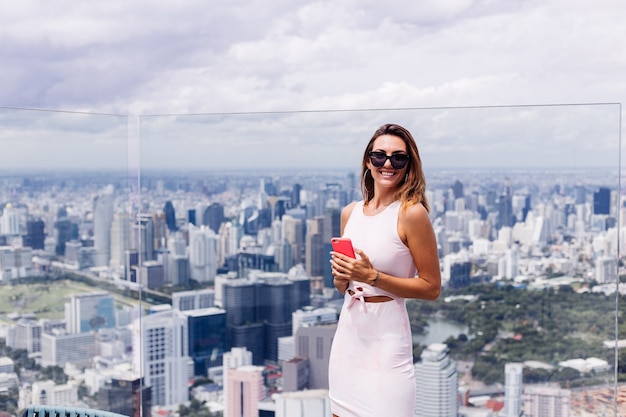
x=387, y=176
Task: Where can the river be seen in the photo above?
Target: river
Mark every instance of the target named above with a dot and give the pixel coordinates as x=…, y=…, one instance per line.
x=438, y=331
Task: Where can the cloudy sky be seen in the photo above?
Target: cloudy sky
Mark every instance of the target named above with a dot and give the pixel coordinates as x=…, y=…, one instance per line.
x=281, y=74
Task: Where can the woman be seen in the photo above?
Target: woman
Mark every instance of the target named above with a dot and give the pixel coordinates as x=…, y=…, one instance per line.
x=371, y=362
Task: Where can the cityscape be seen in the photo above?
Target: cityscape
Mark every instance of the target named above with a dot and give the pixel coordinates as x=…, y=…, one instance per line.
x=178, y=265
x=216, y=287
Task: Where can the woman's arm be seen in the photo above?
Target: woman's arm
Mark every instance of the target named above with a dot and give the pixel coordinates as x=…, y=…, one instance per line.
x=341, y=283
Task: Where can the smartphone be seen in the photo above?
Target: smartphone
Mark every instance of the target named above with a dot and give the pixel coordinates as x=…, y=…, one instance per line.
x=343, y=245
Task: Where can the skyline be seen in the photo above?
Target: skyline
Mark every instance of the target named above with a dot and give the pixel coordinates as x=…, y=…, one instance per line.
x=548, y=136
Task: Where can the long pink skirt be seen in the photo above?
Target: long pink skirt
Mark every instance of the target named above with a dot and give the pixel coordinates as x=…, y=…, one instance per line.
x=371, y=361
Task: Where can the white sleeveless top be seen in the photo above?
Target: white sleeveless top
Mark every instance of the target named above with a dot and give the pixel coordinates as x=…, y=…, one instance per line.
x=378, y=237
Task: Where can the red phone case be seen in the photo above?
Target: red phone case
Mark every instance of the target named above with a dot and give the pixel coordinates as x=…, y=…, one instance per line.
x=343, y=245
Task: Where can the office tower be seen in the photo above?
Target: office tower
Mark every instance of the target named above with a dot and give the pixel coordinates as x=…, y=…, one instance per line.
x=295, y=195
x=125, y=396
x=144, y=236
x=505, y=206
x=59, y=348
x=295, y=374
x=120, y=239
x=233, y=359
x=243, y=327
x=160, y=346
x=293, y=232
x=546, y=401
x=193, y=300
x=90, y=312
x=72, y=253
x=457, y=189
x=331, y=228
x=102, y=220
x=606, y=269
x=202, y=253
x=26, y=334
x=35, y=234
x=314, y=343
x=65, y=231
x=213, y=216
x=436, y=383
x=15, y=263
x=513, y=388
x=170, y=216
x=580, y=194
x=207, y=338
x=11, y=220
x=152, y=274
x=274, y=310
x=311, y=403
x=245, y=390
x=314, y=249
x=602, y=201
x=300, y=289
x=191, y=216
x=283, y=256
x=131, y=263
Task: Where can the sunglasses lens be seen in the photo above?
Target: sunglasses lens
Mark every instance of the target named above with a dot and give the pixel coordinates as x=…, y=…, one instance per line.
x=399, y=160
x=378, y=159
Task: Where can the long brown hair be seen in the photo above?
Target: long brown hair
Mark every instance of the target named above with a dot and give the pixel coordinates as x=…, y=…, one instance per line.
x=413, y=188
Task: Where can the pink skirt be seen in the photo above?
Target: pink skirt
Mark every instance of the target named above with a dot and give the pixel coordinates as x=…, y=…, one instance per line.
x=371, y=361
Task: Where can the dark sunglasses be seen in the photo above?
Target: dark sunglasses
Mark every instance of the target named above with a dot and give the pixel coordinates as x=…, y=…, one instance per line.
x=398, y=160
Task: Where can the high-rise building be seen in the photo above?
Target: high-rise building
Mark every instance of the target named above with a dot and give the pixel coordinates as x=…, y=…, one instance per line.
x=193, y=300
x=120, y=239
x=207, y=338
x=546, y=401
x=26, y=334
x=293, y=232
x=606, y=269
x=602, y=201
x=160, y=346
x=436, y=383
x=125, y=396
x=59, y=348
x=245, y=390
x=213, y=216
x=102, y=220
x=35, y=234
x=513, y=388
x=315, y=254
x=233, y=359
x=331, y=228
x=313, y=343
x=144, y=236
x=202, y=253
x=90, y=312
x=170, y=216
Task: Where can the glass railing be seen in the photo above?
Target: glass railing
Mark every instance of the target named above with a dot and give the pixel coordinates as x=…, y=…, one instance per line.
x=116, y=229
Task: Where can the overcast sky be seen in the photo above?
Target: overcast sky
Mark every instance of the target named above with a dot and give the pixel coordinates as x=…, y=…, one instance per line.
x=203, y=57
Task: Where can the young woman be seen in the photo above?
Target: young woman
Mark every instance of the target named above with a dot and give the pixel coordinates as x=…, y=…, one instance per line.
x=371, y=362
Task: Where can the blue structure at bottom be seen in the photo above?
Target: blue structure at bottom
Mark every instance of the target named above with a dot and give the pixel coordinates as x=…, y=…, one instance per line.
x=51, y=411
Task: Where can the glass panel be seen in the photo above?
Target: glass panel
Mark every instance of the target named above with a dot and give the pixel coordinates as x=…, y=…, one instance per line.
x=219, y=228
x=64, y=214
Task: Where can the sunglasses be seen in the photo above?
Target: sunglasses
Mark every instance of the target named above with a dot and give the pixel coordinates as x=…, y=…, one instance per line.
x=398, y=160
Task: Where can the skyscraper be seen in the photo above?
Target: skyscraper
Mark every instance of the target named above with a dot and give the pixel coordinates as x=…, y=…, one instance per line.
x=513, y=388
x=202, y=253
x=35, y=234
x=120, y=239
x=436, y=383
x=102, y=220
x=313, y=343
x=125, y=396
x=207, y=338
x=160, y=347
x=315, y=254
x=245, y=390
x=170, y=216
x=602, y=201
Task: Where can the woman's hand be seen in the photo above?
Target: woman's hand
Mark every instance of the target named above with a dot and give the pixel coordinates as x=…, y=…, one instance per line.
x=346, y=269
